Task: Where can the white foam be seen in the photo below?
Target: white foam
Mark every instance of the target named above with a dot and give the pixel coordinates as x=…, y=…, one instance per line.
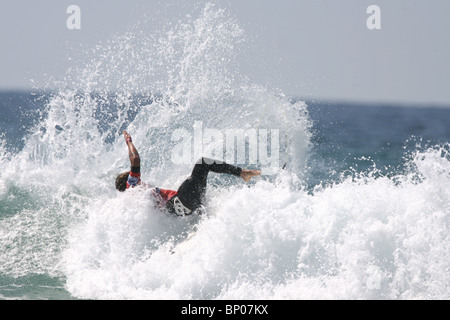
x=364, y=237
x=369, y=239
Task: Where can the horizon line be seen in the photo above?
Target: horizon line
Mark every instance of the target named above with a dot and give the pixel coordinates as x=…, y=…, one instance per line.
x=293, y=98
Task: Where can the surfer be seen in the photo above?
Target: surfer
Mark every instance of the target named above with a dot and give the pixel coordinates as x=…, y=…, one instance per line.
x=191, y=192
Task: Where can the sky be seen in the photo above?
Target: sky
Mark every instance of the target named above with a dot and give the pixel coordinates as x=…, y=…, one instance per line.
x=311, y=49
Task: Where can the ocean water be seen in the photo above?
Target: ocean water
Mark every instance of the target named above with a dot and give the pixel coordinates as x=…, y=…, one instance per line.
x=360, y=211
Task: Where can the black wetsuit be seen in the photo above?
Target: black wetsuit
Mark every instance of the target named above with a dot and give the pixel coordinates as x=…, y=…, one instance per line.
x=192, y=191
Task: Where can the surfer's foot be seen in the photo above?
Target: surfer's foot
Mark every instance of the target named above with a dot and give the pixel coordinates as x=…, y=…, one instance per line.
x=248, y=174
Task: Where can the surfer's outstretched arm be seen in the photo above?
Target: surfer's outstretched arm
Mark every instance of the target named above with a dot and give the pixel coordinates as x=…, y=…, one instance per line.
x=133, y=154
x=133, y=177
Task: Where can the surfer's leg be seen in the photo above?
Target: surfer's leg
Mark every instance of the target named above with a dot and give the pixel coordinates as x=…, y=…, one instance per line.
x=205, y=165
x=192, y=190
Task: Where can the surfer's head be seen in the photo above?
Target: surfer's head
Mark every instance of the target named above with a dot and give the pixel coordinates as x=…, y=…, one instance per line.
x=121, y=181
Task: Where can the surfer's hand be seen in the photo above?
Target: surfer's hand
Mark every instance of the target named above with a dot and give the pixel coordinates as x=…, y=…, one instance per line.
x=132, y=152
x=248, y=174
x=127, y=136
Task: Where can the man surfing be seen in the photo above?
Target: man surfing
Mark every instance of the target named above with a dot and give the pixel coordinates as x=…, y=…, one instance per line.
x=191, y=192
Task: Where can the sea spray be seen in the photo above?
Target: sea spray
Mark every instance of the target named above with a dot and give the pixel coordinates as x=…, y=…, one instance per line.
x=225, y=101
x=363, y=235
x=64, y=173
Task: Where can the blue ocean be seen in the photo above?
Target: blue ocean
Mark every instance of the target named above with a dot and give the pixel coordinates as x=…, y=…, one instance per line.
x=356, y=207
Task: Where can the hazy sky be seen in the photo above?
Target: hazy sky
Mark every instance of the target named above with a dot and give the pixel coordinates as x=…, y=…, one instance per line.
x=314, y=49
